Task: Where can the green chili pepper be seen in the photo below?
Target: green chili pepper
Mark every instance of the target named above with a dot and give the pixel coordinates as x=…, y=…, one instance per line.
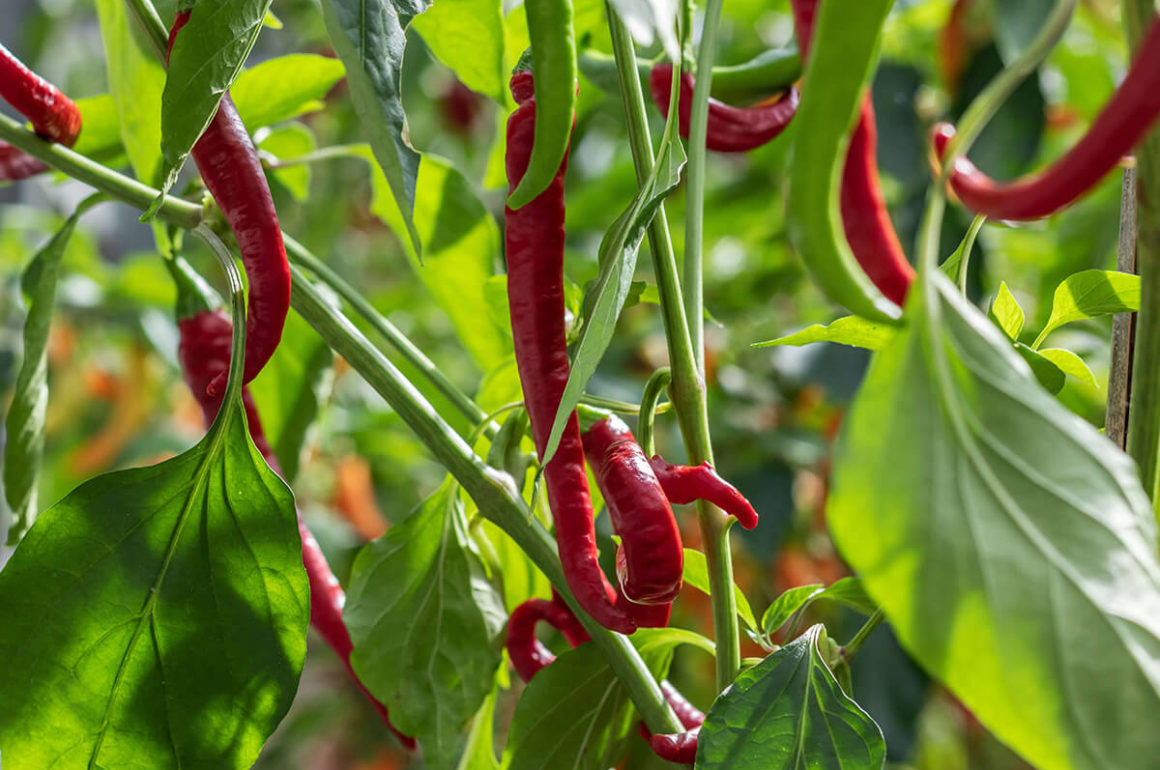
x=553, y=56
x=843, y=53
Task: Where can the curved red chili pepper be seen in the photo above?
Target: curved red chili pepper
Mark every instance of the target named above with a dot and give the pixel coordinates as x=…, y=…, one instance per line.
x=204, y=353
x=53, y=115
x=865, y=219
x=688, y=483
x=534, y=245
x=232, y=173
x=16, y=164
x=650, y=560
x=676, y=747
x=731, y=129
x=1121, y=124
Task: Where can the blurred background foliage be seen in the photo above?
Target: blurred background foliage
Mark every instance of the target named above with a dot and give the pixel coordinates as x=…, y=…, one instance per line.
x=117, y=398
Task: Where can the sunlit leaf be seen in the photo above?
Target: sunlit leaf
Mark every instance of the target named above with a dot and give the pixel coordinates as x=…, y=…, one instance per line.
x=697, y=575
x=1006, y=313
x=284, y=87
x=1089, y=294
x=468, y=37
x=1071, y=364
x=850, y=330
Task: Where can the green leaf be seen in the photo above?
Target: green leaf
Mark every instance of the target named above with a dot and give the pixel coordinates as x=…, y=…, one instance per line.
x=284, y=88
x=788, y=712
x=575, y=713
x=369, y=38
x=848, y=330
x=787, y=604
x=287, y=143
x=460, y=247
x=288, y=390
x=1050, y=376
x=697, y=575
x=156, y=617
x=606, y=298
x=1070, y=363
x=959, y=261
x=1006, y=313
x=468, y=37
x=1010, y=544
x=841, y=58
x=1091, y=293
x=102, y=126
x=849, y=592
x=205, y=60
x=424, y=622
x=24, y=425
x=479, y=754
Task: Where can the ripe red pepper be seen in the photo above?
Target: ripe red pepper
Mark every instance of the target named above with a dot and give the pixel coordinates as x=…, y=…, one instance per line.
x=232, y=172
x=689, y=483
x=1122, y=123
x=53, y=115
x=534, y=245
x=731, y=129
x=204, y=353
x=865, y=218
x=650, y=559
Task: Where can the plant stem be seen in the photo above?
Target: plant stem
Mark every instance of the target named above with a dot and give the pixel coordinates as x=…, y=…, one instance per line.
x=173, y=210
x=151, y=23
x=489, y=488
x=1144, y=399
x=688, y=386
x=850, y=648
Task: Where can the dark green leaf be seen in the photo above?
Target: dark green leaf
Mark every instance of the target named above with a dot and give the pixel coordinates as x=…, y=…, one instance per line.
x=24, y=425
x=787, y=604
x=424, y=622
x=1050, y=376
x=156, y=617
x=369, y=38
x=603, y=303
x=851, y=330
x=283, y=88
x=1010, y=544
x=789, y=712
x=206, y=57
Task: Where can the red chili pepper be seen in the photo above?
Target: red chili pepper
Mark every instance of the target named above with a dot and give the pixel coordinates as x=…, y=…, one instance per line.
x=1122, y=123
x=865, y=217
x=688, y=483
x=731, y=129
x=230, y=168
x=676, y=747
x=53, y=115
x=650, y=560
x=534, y=244
x=204, y=353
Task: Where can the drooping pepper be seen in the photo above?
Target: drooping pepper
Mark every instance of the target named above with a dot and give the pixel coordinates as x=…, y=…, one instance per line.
x=688, y=483
x=53, y=115
x=1121, y=124
x=865, y=218
x=204, y=353
x=731, y=129
x=232, y=173
x=534, y=245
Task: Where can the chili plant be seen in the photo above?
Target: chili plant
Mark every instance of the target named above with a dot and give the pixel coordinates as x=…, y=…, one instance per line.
x=454, y=423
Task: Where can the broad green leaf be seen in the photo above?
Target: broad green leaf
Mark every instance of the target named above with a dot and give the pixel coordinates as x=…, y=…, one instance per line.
x=369, y=38
x=787, y=604
x=24, y=425
x=1050, y=376
x=288, y=390
x=850, y=330
x=1070, y=363
x=287, y=143
x=101, y=132
x=649, y=20
x=1006, y=313
x=1010, y=544
x=204, y=61
x=697, y=575
x=136, y=79
x=424, y=620
x=575, y=713
x=284, y=88
x=156, y=617
x=468, y=37
x=1091, y=293
x=606, y=298
x=460, y=246
x=789, y=713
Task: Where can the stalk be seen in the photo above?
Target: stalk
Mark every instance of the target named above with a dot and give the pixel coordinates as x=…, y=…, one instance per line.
x=688, y=386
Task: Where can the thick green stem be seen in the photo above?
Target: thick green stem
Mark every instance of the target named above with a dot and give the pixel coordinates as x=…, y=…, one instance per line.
x=1144, y=400
x=688, y=386
x=151, y=23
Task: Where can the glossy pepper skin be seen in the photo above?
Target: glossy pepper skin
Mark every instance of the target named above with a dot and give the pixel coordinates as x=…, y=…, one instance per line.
x=232, y=173
x=651, y=558
x=204, y=353
x=1121, y=124
x=865, y=218
x=689, y=483
x=534, y=245
x=53, y=115
x=731, y=129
